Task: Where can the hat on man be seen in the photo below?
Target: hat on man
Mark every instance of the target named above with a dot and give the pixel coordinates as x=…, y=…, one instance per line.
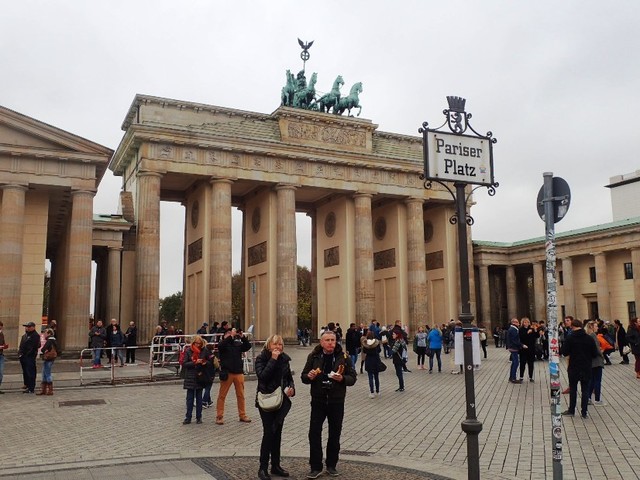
x=205, y=324
x=29, y=324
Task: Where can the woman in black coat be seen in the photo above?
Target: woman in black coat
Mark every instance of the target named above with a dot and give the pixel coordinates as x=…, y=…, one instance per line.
x=371, y=349
x=194, y=366
x=621, y=341
x=273, y=372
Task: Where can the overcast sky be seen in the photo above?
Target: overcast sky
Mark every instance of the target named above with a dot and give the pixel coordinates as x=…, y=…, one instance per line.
x=556, y=82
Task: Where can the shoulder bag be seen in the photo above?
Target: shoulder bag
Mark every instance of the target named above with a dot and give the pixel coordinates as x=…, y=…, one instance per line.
x=270, y=402
x=50, y=354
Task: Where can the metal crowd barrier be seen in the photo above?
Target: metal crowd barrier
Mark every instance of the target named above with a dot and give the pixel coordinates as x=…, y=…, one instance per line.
x=110, y=366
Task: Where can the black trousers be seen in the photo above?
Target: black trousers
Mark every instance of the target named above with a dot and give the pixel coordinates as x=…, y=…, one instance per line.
x=583, y=378
x=271, y=439
x=527, y=356
x=28, y=365
x=131, y=355
x=333, y=413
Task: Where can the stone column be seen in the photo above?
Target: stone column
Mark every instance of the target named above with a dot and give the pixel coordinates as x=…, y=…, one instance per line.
x=287, y=267
x=602, y=286
x=220, y=252
x=314, y=272
x=363, y=243
x=77, y=287
x=539, y=293
x=635, y=264
x=485, y=296
x=512, y=305
x=113, y=284
x=11, y=245
x=416, y=266
x=568, y=287
x=147, y=255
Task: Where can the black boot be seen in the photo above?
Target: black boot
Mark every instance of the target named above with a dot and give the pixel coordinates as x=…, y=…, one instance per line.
x=263, y=474
x=279, y=471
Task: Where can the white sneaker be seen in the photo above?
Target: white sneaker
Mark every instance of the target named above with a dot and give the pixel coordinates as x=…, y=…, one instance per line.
x=372, y=395
x=599, y=403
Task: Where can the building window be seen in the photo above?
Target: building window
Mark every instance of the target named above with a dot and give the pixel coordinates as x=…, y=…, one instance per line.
x=631, y=308
x=560, y=278
x=592, y=274
x=628, y=271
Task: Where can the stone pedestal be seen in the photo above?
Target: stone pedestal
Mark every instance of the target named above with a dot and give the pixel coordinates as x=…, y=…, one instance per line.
x=363, y=242
x=287, y=273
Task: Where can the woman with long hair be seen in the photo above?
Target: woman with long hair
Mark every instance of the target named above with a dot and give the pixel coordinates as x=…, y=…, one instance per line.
x=621, y=341
x=273, y=372
x=399, y=345
x=633, y=339
x=371, y=349
x=597, y=366
x=49, y=352
x=195, y=363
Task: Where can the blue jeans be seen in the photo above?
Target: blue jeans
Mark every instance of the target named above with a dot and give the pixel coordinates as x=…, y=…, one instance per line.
x=399, y=374
x=46, y=371
x=194, y=393
x=515, y=362
x=206, y=397
x=96, y=356
x=354, y=360
x=1, y=368
x=118, y=354
x=374, y=379
x=595, y=385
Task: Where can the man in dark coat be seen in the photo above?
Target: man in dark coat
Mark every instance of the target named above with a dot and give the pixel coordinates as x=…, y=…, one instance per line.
x=514, y=345
x=27, y=353
x=581, y=348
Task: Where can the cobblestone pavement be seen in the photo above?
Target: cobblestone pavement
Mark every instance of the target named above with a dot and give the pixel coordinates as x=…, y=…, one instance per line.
x=135, y=431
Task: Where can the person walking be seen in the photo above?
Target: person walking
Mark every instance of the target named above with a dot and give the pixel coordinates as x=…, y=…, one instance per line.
x=633, y=339
x=528, y=337
x=27, y=353
x=273, y=372
x=131, y=341
x=371, y=349
x=483, y=341
x=621, y=341
x=231, y=348
x=329, y=371
x=399, y=345
x=49, y=353
x=514, y=345
x=582, y=349
x=194, y=364
x=435, y=345
x=597, y=367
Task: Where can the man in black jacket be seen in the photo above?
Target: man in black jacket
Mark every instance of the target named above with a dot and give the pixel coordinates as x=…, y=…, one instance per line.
x=581, y=348
x=27, y=353
x=230, y=350
x=329, y=371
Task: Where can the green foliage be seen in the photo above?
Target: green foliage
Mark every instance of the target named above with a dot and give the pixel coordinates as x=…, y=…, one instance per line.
x=304, y=297
x=237, y=299
x=46, y=293
x=172, y=309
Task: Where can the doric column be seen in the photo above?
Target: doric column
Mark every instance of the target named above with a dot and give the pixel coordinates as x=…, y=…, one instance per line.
x=363, y=243
x=635, y=265
x=485, y=296
x=287, y=273
x=220, y=252
x=512, y=305
x=539, y=293
x=314, y=271
x=416, y=267
x=11, y=240
x=602, y=286
x=568, y=287
x=77, y=287
x=147, y=254
x=113, y=283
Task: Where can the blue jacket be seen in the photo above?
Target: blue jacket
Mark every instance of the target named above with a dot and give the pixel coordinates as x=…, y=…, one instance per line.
x=435, y=339
x=513, y=339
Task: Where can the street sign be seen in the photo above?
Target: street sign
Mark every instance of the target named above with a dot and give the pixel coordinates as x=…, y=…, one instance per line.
x=561, y=199
x=459, y=158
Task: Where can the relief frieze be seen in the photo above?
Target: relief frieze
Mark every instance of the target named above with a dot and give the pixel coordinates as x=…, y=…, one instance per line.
x=257, y=254
x=194, y=251
x=332, y=257
x=327, y=134
x=435, y=260
x=384, y=259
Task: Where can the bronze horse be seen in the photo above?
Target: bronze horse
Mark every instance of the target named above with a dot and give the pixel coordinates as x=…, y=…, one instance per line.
x=330, y=100
x=350, y=101
x=289, y=90
x=304, y=98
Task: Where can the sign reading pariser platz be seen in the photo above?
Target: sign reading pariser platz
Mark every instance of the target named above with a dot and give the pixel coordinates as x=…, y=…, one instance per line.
x=459, y=158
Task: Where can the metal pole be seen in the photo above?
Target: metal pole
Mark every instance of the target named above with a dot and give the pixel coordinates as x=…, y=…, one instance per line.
x=470, y=425
x=552, y=321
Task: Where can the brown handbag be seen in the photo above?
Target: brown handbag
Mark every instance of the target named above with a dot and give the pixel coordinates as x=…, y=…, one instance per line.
x=50, y=354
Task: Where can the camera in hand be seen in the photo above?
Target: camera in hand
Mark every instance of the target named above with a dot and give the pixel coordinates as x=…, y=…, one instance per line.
x=327, y=384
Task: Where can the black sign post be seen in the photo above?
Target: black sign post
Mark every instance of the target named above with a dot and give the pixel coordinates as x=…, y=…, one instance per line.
x=462, y=159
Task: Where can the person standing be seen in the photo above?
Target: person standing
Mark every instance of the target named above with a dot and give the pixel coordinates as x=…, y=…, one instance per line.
x=231, y=348
x=421, y=347
x=597, y=367
x=528, y=337
x=273, y=371
x=483, y=341
x=194, y=363
x=97, y=337
x=435, y=345
x=49, y=353
x=633, y=339
x=514, y=345
x=582, y=349
x=27, y=353
x=352, y=343
x=371, y=349
x=210, y=374
x=2, y=347
x=621, y=341
x=115, y=339
x=397, y=350
x=131, y=341
x=329, y=371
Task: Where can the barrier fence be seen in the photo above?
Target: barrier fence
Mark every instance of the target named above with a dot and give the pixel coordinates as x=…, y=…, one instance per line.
x=163, y=358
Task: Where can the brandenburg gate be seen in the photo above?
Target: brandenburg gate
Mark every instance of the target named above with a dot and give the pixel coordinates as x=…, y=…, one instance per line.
x=382, y=246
